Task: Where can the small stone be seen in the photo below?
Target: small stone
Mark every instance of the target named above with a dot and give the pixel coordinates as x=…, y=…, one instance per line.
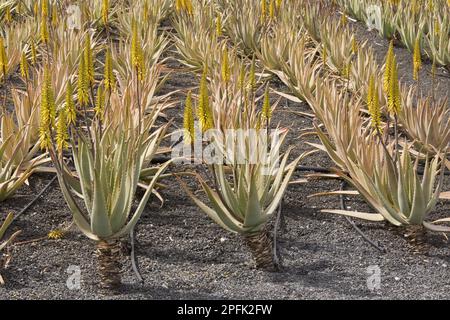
x=397, y=279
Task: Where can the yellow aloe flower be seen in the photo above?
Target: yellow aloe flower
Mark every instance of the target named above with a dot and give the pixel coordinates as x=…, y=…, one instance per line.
x=47, y=111
x=108, y=72
x=204, y=112
x=266, y=109
x=417, y=60
x=99, y=103
x=33, y=53
x=354, y=45
x=44, y=30
x=137, y=55
x=394, y=99
x=324, y=54
x=388, y=67
x=105, y=11
x=55, y=234
x=83, y=83
x=62, y=134
x=263, y=10
x=188, y=120
x=225, y=64
x=3, y=58
x=54, y=16
x=89, y=60
x=272, y=9
x=279, y=2
x=8, y=16
x=24, y=70
x=71, y=115
x=44, y=9
x=219, y=25
x=373, y=104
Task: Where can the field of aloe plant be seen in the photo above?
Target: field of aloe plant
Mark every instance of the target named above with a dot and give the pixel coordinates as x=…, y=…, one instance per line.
x=216, y=149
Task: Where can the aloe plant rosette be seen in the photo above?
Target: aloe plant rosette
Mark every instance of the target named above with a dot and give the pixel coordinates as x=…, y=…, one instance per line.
x=108, y=170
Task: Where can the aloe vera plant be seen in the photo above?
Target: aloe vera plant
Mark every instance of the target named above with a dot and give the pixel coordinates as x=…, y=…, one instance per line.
x=244, y=200
x=19, y=156
x=108, y=173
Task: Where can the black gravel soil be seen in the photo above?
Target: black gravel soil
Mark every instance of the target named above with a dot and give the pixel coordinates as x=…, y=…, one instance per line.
x=182, y=254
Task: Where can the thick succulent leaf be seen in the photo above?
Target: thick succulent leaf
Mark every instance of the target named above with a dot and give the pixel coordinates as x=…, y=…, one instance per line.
x=255, y=217
x=356, y=214
x=436, y=228
x=6, y=224
x=140, y=209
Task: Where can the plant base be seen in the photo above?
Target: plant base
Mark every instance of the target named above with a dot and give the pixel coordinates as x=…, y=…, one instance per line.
x=109, y=265
x=261, y=247
x=416, y=236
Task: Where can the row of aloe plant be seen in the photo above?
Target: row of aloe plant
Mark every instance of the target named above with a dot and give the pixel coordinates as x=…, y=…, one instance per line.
x=109, y=125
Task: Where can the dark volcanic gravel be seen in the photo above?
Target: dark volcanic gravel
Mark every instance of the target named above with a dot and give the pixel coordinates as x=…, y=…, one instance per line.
x=184, y=255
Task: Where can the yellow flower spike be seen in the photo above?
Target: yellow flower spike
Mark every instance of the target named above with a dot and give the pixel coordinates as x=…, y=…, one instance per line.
x=272, y=9
x=55, y=19
x=266, y=109
x=263, y=10
x=89, y=60
x=417, y=59
x=47, y=111
x=20, y=8
x=70, y=105
x=415, y=6
x=188, y=7
x=225, y=64
x=344, y=19
x=437, y=27
x=394, y=99
x=33, y=53
x=373, y=104
x=105, y=11
x=279, y=2
x=219, y=26
x=324, y=54
x=178, y=5
x=108, y=72
x=354, y=45
x=8, y=16
x=24, y=70
x=346, y=70
x=62, y=134
x=100, y=103
x=204, y=112
x=258, y=123
x=82, y=83
x=137, y=55
x=44, y=30
x=146, y=10
x=188, y=121
x=55, y=234
x=388, y=67
x=44, y=9
x=3, y=57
